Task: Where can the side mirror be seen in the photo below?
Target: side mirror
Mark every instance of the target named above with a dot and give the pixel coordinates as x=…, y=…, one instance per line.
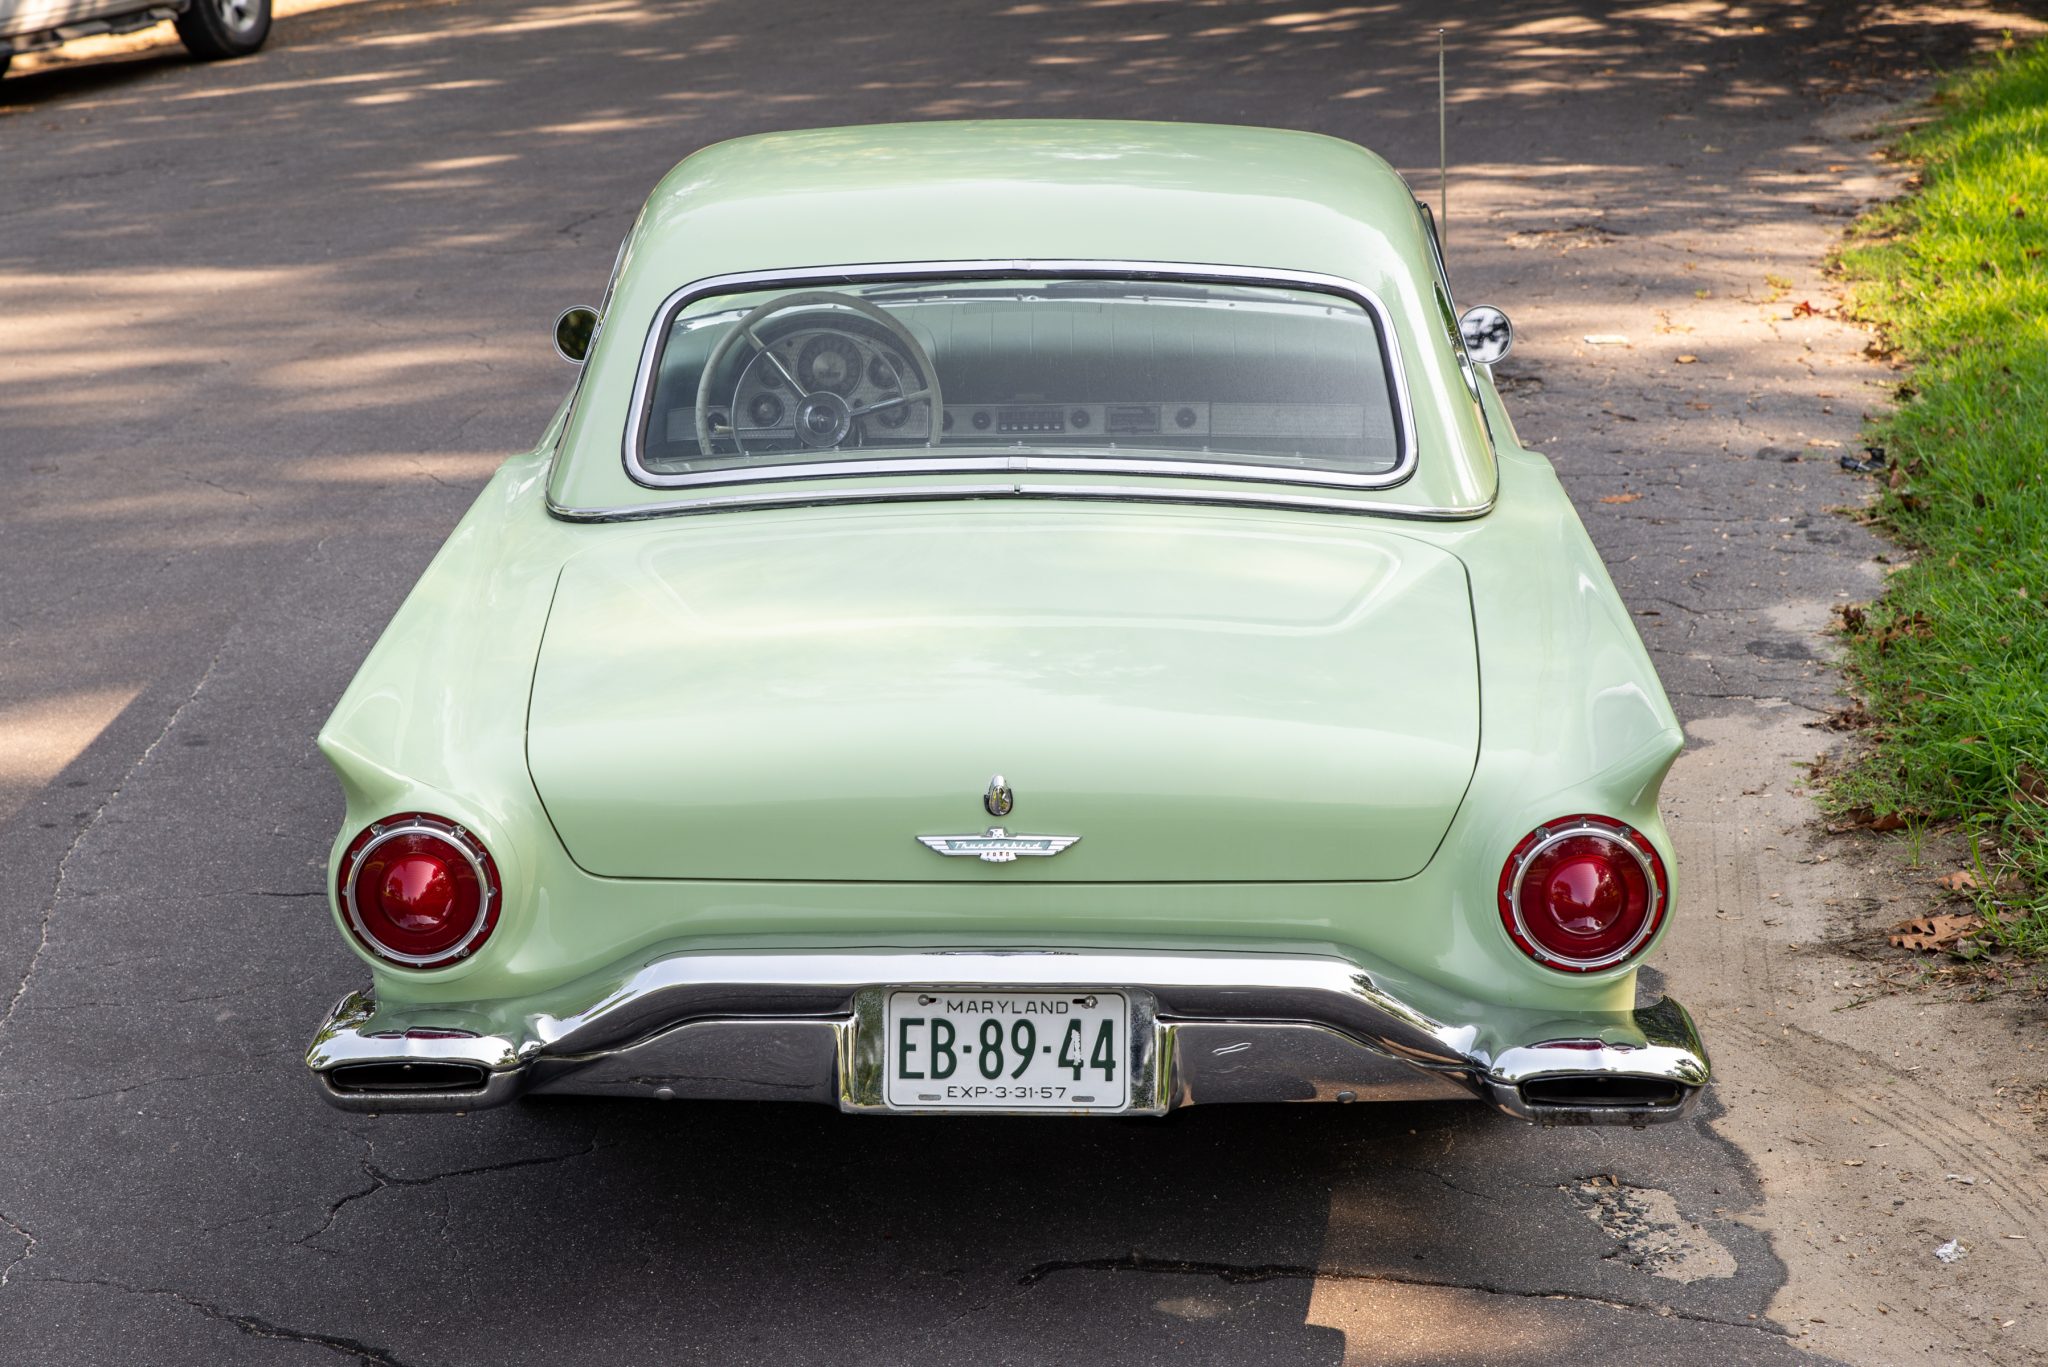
x=573, y=331
x=1488, y=334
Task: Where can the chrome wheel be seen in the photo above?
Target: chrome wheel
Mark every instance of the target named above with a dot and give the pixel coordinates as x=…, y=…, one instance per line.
x=240, y=17
x=215, y=29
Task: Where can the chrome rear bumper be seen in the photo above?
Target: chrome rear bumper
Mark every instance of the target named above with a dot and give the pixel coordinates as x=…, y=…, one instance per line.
x=1205, y=1027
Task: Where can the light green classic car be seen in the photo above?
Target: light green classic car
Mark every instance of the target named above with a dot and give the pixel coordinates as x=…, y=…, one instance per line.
x=1015, y=617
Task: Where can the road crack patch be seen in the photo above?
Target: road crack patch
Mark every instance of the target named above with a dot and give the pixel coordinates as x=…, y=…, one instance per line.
x=92, y=824
x=250, y=1325
x=379, y=1180
x=1449, y=1184
x=28, y=1245
x=1649, y=1232
x=1244, y=1273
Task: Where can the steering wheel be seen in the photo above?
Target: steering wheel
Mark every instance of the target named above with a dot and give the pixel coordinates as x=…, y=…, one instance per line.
x=823, y=419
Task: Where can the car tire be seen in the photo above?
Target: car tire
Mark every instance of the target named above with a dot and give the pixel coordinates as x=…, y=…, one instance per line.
x=5, y=58
x=215, y=29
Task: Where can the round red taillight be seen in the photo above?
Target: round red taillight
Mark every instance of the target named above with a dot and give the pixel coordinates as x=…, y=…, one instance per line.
x=1582, y=893
x=418, y=890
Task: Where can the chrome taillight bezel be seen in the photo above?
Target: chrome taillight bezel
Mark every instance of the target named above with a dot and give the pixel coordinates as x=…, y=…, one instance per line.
x=1555, y=832
x=382, y=832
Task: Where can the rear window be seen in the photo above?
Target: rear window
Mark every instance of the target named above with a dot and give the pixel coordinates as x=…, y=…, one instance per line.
x=944, y=374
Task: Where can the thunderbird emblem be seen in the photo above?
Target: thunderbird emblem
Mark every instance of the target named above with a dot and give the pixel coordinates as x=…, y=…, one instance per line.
x=997, y=846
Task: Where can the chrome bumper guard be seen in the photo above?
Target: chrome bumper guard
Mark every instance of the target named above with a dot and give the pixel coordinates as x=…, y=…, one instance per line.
x=1206, y=1027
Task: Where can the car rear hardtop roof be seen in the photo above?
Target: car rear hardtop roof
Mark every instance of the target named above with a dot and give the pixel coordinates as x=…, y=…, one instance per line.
x=1040, y=188
x=1027, y=190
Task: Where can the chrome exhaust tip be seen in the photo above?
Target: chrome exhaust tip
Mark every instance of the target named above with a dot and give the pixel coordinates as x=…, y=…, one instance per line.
x=407, y=1076
x=1604, y=1090
x=1603, y=1099
x=1647, y=1075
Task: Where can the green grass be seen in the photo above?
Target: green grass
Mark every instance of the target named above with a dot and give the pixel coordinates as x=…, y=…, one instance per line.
x=1953, y=661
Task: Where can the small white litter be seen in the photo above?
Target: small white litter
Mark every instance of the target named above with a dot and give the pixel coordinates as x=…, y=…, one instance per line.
x=1605, y=339
x=1959, y=1177
x=1951, y=1251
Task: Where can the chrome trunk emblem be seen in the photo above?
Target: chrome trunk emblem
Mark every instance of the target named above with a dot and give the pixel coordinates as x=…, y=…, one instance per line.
x=997, y=846
x=998, y=799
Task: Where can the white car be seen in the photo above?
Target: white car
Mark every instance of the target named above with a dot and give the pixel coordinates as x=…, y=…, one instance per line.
x=210, y=29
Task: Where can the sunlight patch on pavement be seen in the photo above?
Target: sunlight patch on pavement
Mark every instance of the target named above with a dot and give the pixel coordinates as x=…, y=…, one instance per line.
x=39, y=738
x=396, y=468
x=1387, y=1323
x=221, y=92
x=544, y=19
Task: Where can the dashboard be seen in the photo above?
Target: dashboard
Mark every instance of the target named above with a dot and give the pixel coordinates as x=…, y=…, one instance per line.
x=866, y=377
x=1149, y=419
x=871, y=376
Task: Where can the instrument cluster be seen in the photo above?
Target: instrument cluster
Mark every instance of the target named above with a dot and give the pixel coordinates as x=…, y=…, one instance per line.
x=818, y=387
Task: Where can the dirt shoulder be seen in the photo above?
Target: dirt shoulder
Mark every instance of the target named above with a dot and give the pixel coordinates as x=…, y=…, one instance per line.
x=1684, y=365
x=1882, y=1126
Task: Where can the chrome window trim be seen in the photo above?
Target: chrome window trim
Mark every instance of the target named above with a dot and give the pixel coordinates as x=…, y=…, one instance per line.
x=604, y=308
x=935, y=493
x=1436, y=253
x=639, y=411
x=1457, y=343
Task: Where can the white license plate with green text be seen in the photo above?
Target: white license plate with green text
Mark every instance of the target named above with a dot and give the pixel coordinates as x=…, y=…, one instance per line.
x=991, y=1050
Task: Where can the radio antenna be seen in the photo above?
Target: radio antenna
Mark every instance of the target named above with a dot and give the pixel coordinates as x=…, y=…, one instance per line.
x=1443, y=156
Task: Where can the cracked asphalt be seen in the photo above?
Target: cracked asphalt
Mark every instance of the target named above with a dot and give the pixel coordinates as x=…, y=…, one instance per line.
x=265, y=328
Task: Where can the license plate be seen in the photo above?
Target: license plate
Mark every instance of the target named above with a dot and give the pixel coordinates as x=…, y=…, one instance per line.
x=990, y=1050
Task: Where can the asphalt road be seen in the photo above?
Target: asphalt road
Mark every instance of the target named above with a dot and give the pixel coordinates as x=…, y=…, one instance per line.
x=265, y=328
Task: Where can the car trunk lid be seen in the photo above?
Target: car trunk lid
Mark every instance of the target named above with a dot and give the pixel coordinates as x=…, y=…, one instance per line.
x=1196, y=696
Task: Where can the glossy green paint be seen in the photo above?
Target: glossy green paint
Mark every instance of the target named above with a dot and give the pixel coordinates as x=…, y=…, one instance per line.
x=1197, y=696
x=696, y=633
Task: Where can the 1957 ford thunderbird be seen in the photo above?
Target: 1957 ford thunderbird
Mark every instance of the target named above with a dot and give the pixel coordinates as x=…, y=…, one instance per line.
x=1025, y=617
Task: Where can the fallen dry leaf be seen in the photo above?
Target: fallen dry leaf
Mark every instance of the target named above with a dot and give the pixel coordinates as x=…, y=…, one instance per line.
x=1850, y=718
x=1962, y=880
x=2031, y=783
x=1687, y=360
x=1934, y=932
x=1823, y=441
x=1860, y=818
x=1804, y=309
x=1621, y=498
x=1913, y=626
